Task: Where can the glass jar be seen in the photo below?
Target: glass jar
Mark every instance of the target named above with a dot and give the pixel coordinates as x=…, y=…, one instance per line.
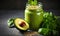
x=34, y=16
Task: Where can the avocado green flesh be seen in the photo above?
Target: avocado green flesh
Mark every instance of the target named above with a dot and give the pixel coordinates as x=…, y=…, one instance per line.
x=17, y=22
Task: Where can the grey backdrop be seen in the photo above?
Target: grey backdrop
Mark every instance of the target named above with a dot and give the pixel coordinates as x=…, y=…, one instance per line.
x=15, y=8
x=20, y=4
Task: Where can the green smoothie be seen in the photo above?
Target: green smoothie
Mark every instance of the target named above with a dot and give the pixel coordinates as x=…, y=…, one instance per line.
x=34, y=16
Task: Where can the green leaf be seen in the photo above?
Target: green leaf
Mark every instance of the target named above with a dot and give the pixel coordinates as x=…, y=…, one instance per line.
x=32, y=2
x=44, y=31
x=49, y=21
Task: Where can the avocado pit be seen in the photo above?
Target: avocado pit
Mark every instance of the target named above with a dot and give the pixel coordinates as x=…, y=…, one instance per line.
x=22, y=24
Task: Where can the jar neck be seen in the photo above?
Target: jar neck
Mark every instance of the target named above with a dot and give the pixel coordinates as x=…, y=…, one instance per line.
x=34, y=8
x=39, y=5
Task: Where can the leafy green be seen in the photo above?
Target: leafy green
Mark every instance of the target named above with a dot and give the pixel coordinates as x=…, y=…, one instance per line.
x=50, y=25
x=47, y=32
x=44, y=31
x=32, y=2
x=49, y=21
x=58, y=24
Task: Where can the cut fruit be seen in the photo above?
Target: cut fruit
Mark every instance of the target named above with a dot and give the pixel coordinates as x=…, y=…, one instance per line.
x=10, y=22
x=21, y=24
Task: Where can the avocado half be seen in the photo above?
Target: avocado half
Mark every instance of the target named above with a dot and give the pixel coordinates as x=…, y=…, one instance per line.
x=21, y=24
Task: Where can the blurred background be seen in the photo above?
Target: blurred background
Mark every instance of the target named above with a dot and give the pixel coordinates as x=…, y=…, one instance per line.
x=15, y=8
x=48, y=5
x=20, y=4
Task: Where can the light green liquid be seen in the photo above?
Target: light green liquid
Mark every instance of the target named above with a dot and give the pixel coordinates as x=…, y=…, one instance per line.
x=33, y=18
